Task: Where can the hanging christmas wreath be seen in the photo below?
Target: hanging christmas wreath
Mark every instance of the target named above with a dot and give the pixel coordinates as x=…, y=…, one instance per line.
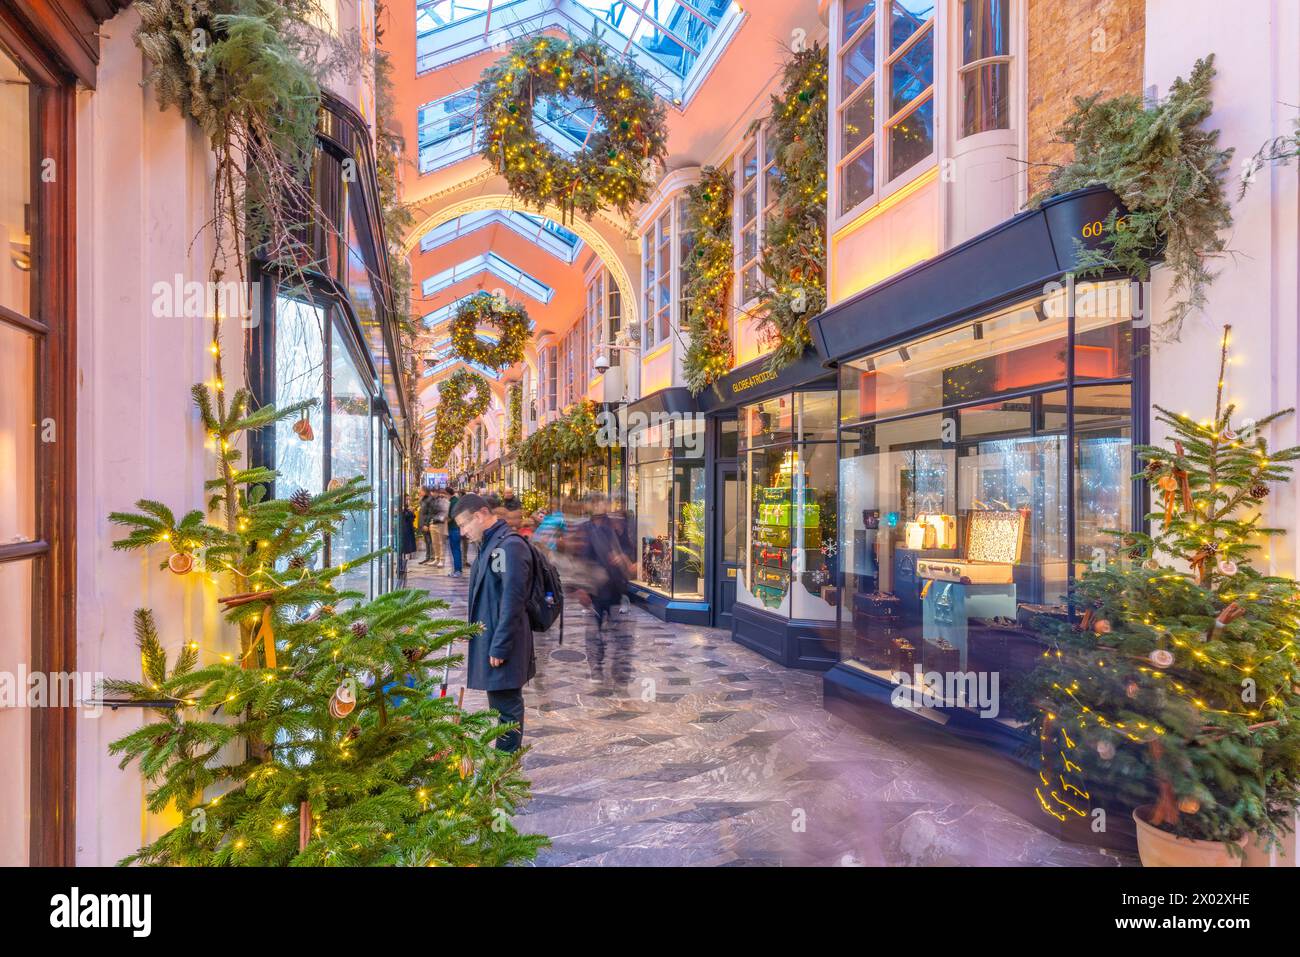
x=485, y=309
x=456, y=409
x=553, y=81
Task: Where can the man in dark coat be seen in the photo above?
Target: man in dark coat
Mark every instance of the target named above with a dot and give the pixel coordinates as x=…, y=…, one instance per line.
x=425, y=520
x=500, y=659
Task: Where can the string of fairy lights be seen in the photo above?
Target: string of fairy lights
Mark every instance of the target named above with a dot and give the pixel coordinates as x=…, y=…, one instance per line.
x=1198, y=526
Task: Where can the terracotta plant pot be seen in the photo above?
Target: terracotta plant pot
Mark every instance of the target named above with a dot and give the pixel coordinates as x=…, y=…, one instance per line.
x=1159, y=848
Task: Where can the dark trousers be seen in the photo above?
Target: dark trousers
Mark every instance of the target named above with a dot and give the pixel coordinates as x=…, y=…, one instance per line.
x=454, y=545
x=510, y=704
x=428, y=545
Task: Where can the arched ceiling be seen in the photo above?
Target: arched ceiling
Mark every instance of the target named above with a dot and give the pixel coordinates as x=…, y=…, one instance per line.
x=456, y=42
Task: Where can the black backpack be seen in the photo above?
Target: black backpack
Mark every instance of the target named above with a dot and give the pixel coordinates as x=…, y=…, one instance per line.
x=545, y=592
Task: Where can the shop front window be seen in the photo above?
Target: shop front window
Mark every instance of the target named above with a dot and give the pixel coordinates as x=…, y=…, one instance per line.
x=299, y=376
x=788, y=503
x=976, y=484
x=350, y=457
x=665, y=494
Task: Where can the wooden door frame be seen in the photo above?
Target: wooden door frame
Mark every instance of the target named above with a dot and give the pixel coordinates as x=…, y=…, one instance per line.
x=54, y=645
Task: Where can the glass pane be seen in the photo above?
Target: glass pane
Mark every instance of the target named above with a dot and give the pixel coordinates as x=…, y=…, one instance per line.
x=986, y=98
x=749, y=243
x=299, y=375
x=768, y=422
x=350, y=425
x=727, y=435
x=911, y=74
x=650, y=501
x=17, y=434
x=859, y=120
x=1103, y=485
x=15, y=722
x=730, y=538
x=906, y=18
x=813, y=512
x=951, y=545
x=749, y=165
x=817, y=415
x=764, y=580
x=856, y=13
x=986, y=28
x=749, y=205
x=911, y=139
x=858, y=62
x=1018, y=349
x=688, y=538
x=858, y=180
x=17, y=211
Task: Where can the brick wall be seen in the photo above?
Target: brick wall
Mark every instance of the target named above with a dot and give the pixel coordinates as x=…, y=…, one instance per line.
x=1077, y=48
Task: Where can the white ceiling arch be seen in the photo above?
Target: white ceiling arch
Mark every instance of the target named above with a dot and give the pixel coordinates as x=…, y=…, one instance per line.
x=589, y=234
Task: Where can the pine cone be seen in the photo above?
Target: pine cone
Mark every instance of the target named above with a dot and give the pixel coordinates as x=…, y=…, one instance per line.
x=297, y=562
x=360, y=629
x=354, y=732
x=300, y=501
x=1154, y=467
x=1259, y=490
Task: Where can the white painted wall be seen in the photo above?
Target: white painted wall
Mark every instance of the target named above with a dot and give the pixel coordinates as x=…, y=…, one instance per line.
x=1257, y=97
x=143, y=196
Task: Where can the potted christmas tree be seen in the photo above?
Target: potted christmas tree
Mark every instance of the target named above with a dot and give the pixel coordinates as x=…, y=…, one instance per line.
x=1177, y=689
x=325, y=739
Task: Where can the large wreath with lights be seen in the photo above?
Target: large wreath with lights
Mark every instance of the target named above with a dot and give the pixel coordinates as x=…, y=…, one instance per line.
x=486, y=309
x=456, y=408
x=628, y=136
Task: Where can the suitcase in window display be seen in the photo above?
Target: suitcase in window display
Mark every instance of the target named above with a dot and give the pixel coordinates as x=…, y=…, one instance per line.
x=904, y=655
x=875, y=627
x=941, y=656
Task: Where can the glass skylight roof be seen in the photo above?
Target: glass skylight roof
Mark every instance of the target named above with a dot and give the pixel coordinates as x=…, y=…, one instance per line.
x=444, y=314
x=449, y=129
x=489, y=262
x=563, y=244
x=673, y=41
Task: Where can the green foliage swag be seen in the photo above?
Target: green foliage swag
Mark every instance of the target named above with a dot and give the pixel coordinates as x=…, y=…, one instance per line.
x=1169, y=173
x=570, y=438
x=794, y=257
x=613, y=170
x=254, y=752
x=487, y=309
x=462, y=397
x=708, y=279
x=1179, y=686
x=515, y=428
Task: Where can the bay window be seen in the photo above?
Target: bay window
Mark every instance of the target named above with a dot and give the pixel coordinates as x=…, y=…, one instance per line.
x=885, y=78
x=984, y=77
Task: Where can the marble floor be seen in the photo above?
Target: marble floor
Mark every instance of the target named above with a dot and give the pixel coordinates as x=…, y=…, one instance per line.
x=657, y=744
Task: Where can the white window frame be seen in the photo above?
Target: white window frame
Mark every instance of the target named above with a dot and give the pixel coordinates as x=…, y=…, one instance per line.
x=658, y=321
x=764, y=201
x=961, y=69
x=883, y=121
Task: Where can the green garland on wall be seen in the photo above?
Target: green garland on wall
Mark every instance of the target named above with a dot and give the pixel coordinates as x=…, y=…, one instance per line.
x=515, y=428
x=794, y=257
x=1169, y=173
x=456, y=409
x=612, y=171
x=708, y=279
x=570, y=438
x=486, y=309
